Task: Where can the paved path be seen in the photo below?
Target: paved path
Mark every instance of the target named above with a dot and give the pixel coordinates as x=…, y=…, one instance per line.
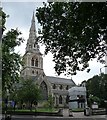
x=55, y=118
x=76, y=116
x=81, y=115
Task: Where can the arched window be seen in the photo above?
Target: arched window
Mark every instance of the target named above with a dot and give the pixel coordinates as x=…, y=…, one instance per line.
x=44, y=91
x=32, y=62
x=67, y=87
x=30, y=46
x=36, y=63
x=34, y=45
x=60, y=99
x=67, y=99
x=33, y=72
x=61, y=87
x=54, y=86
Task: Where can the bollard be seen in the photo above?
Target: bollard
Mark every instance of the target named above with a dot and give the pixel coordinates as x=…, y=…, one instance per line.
x=87, y=111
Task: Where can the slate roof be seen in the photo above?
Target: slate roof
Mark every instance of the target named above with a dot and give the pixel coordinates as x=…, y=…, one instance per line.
x=57, y=80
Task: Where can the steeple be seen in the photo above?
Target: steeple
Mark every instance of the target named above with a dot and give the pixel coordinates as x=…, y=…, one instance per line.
x=32, y=44
x=33, y=61
x=33, y=29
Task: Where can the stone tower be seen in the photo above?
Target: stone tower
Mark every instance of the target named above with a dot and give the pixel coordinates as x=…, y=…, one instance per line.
x=33, y=69
x=33, y=61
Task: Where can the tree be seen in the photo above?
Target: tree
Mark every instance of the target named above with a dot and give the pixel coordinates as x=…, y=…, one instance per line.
x=93, y=99
x=11, y=61
x=28, y=92
x=74, y=32
x=97, y=87
x=50, y=102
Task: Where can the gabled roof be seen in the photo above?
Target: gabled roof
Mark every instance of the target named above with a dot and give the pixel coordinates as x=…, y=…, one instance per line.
x=57, y=80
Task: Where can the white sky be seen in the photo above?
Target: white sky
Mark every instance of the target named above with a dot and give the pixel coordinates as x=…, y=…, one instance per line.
x=20, y=15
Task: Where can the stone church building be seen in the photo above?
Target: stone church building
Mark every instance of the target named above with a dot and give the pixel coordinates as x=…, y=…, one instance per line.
x=33, y=68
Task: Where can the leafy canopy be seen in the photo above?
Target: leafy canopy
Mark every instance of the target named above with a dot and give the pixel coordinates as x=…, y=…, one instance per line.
x=29, y=92
x=74, y=33
x=97, y=86
x=11, y=61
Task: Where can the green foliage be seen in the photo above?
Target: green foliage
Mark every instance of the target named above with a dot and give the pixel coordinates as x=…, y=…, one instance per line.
x=38, y=110
x=74, y=32
x=11, y=61
x=77, y=110
x=93, y=99
x=49, y=103
x=2, y=20
x=97, y=88
x=29, y=92
x=47, y=109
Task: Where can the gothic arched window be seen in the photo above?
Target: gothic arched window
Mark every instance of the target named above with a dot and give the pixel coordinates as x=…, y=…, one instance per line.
x=44, y=91
x=54, y=86
x=32, y=62
x=36, y=62
x=61, y=87
x=33, y=72
x=67, y=99
x=67, y=87
x=35, y=44
x=30, y=46
x=60, y=99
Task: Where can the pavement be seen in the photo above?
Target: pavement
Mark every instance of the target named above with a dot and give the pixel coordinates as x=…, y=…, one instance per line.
x=81, y=115
x=76, y=116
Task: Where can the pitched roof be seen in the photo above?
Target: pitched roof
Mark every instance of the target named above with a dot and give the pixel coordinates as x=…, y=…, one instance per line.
x=58, y=80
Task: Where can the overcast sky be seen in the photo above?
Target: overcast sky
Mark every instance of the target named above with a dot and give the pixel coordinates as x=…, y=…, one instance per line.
x=20, y=15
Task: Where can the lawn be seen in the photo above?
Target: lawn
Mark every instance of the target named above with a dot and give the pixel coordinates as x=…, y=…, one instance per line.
x=38, y=110
x=77, y=110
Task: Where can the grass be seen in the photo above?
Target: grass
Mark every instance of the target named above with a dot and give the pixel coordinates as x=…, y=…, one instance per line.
x=46, y=110
x=77, y=110
x=38, y=110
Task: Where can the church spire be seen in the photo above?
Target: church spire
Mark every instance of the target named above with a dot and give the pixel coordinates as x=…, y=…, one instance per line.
x=32, y=44
x=33, y=29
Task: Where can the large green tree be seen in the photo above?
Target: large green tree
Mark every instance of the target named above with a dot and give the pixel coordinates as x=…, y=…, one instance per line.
x=74, y=32
x=97, y=87
x=28, y=92
x=11, y=61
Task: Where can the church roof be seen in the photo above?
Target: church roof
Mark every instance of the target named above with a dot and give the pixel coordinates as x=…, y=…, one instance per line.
x=57, y=80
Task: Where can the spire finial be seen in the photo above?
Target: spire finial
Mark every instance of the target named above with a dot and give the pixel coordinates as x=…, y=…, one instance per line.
x=33, y=23
x=33, y=17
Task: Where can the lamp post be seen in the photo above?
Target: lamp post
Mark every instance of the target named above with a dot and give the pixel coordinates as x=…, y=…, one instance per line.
x=6, y=102
x=7, y=117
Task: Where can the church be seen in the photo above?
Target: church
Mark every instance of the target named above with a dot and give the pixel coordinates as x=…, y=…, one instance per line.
x=33, y=68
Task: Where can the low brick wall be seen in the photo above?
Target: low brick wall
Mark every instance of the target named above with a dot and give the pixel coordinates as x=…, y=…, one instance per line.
x=98, y=111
